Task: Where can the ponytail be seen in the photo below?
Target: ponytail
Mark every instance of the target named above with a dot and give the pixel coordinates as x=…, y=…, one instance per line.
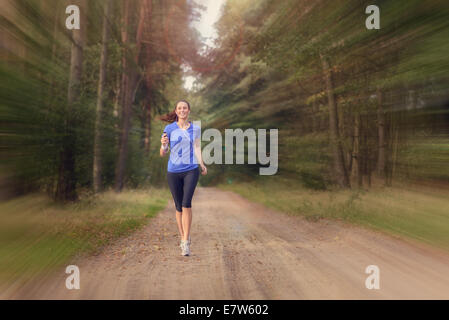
x=169, y=117
x=172, y=116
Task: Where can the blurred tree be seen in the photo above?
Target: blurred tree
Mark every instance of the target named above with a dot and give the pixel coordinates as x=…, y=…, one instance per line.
x=97, y=163
x=66, y=187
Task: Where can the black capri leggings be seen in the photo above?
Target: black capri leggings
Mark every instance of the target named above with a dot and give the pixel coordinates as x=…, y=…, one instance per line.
x=182, y=185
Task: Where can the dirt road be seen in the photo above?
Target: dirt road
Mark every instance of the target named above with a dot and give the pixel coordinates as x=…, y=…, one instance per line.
x=242, y=250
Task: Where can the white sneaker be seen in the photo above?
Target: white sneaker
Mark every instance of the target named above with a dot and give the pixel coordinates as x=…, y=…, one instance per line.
x=185, y=247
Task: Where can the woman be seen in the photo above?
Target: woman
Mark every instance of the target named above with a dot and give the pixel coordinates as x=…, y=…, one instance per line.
x=182, y=172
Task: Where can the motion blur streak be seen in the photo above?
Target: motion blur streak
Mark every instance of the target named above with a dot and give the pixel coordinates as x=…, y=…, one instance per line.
x=362, y=115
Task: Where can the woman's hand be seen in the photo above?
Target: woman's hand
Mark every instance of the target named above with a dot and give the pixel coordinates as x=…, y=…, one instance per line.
x=164, y=141
x=164, y=145
x=203, y=169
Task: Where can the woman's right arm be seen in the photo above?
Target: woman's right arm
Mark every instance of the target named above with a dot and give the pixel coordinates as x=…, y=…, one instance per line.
x=164, y=145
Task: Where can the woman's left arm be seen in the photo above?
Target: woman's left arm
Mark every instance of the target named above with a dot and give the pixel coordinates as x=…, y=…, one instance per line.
x=199, y=158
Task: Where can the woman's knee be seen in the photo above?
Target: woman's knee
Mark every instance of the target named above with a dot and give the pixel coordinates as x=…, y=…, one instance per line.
x=187, y=205
x=178, y=207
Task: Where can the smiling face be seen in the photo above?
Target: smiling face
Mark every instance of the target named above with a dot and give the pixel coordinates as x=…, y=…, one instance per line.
x=182, y=110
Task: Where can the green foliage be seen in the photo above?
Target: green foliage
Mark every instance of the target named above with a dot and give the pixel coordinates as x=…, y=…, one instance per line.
x=37, y=236
x=36, y=122
x=277, y=81
x=312, y=180
x=273, y=78
x=409, y=211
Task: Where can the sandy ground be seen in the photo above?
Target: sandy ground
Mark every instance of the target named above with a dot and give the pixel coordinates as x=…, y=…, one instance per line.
x=242, y=250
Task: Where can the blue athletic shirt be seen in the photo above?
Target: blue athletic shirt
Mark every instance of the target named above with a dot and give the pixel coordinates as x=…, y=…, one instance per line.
x=181, y=145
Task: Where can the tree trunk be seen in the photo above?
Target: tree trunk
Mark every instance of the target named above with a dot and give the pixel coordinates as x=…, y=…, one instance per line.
x=52, y=88
x=350, y=152
x=356, y=163
x=381, y=137
x=366, y=156
x=120, y=167
x=130, y=81
x=66, y=187
x=100, y=99
x=117, y=102
x=148, y=85
x=337, y=152
x=389, y=156
x=394, y=158
x=147, y=127
x=316, y=117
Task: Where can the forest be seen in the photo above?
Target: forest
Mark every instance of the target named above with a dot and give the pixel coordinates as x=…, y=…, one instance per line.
x=351, y=105
x=359, y=112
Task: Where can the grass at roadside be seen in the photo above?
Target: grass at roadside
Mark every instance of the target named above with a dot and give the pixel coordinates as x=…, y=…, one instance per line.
x=420, y=213
x=37, y=235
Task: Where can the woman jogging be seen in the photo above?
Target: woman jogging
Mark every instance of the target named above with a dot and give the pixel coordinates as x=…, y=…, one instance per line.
x=183, y=138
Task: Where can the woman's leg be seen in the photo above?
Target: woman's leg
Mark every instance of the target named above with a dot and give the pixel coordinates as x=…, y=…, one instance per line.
x=186, y=222
x=179, y=221
x=190, y=182
x=176, y=185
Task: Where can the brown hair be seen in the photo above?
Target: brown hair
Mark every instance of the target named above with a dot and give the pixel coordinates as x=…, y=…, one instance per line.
x=171, y=116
